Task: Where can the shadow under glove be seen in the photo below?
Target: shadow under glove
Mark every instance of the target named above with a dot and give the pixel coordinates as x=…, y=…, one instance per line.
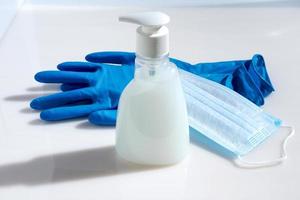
x=93, y=88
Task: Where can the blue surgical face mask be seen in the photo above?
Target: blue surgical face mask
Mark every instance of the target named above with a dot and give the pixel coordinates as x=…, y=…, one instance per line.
x=229, y=119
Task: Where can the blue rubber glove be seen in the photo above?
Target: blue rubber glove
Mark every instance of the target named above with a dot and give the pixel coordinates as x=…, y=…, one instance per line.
x=93, y=88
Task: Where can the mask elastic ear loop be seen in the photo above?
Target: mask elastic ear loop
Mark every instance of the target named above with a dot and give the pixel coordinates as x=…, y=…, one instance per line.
x=240, y=162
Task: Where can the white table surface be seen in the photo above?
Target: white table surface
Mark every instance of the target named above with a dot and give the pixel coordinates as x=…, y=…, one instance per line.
x=75, y=160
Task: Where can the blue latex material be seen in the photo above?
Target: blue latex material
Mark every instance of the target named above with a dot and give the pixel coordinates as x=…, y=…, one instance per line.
x=93, y=88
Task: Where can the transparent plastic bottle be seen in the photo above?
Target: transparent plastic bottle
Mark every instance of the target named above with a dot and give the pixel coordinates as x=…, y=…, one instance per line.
x=152, y=123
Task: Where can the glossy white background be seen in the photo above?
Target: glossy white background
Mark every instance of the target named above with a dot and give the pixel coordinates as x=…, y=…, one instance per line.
x=8, y=9
x=75, y=160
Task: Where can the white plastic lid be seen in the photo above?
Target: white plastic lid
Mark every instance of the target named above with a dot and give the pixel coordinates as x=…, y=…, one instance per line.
x=152, y=38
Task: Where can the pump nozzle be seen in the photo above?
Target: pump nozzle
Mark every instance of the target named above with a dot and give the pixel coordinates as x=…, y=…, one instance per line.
x=146, y=18
x=152, y=36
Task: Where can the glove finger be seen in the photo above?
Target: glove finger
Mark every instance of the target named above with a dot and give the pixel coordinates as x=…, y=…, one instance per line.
x=62, y=98
x=258, y=71
x=68, y=112
x=114, y=57
x=244, y=84
x=78, y=66
x=72, y=86
x=64, y=77
x=103, y=117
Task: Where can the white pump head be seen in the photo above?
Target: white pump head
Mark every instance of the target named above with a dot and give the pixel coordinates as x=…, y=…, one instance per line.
x=152, y=39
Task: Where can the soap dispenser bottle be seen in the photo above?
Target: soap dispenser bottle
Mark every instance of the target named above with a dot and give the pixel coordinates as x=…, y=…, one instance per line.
x=152, y=123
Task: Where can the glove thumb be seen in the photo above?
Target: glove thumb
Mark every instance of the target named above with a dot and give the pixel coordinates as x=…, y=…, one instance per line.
x=103, y=117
